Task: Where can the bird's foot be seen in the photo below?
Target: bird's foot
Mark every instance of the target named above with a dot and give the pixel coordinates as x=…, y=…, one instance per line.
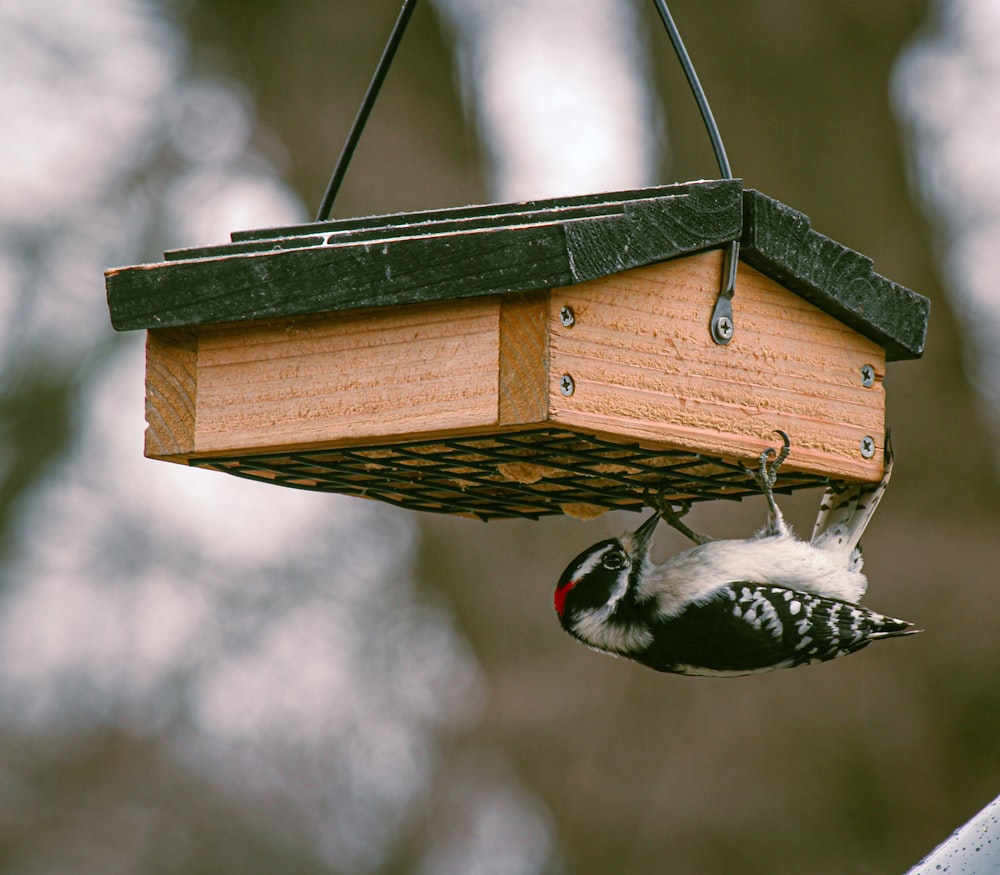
x=765, y=476
x=672, y=517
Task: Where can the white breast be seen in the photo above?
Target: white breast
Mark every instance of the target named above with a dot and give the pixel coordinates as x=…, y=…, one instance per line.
x=781, y=560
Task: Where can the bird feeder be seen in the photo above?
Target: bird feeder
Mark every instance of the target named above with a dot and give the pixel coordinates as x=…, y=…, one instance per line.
x=560, y=356
x=523, y=359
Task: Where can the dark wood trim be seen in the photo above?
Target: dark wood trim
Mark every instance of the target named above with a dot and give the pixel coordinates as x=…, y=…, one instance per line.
x=425, y=257
x=499, y=248
x=780, y=242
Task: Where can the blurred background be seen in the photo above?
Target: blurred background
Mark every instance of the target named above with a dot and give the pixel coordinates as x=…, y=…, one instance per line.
x=201, y=674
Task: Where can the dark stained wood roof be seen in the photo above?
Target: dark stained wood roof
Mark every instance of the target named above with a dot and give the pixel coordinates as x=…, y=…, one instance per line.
x=494, y=249
x=779, y=242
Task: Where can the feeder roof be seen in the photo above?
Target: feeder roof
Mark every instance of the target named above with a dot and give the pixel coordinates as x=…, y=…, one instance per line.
x=500, y=248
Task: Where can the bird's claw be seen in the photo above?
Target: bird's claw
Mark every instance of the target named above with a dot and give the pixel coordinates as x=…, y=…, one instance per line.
x=766, y=476
x=676, y=509
x=672, y=516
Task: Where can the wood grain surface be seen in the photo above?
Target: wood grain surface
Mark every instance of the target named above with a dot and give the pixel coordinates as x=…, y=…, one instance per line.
x=639, y=353
x=171, y=392
x=347, y=376
x=643, y=365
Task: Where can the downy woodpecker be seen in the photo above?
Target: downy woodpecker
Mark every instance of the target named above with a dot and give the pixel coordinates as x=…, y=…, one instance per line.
x=732, y=607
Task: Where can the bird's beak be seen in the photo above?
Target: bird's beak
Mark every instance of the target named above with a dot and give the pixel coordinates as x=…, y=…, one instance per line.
x=639, y=541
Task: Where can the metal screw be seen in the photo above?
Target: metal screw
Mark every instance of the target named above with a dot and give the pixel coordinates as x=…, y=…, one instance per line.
x=867, y=376
x=566, y=385
x=724, y=328
x=567, y=316
x=867, y=446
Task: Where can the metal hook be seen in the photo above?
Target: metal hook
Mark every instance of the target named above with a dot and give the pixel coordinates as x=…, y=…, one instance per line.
x=722, y=326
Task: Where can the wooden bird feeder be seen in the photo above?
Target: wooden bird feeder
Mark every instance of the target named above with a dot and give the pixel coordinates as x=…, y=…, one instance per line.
x=561, y=356
x=523, y=359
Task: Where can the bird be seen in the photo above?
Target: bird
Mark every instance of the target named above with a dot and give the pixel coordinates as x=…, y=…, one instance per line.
x=733, y=607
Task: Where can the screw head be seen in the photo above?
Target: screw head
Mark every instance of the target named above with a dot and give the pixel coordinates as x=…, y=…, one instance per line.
x=724, y=328
x=567, y=316
x=566, y=385
x=867, y=446
x=867, y=376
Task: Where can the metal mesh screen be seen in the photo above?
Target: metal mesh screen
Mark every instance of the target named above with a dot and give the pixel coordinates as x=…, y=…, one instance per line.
x=523, y=474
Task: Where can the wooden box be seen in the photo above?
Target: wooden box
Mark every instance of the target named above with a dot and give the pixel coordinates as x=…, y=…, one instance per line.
x=522, y=359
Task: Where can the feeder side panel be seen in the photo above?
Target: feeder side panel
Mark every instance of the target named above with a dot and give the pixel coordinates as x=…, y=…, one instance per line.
x=643, y=365
x=337, y=377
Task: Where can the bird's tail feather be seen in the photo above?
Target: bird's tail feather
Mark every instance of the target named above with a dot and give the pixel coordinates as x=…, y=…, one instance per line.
x=845, y=511
x=890, y=627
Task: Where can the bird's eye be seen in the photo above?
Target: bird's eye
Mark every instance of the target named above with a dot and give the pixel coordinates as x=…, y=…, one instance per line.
x=614, y=560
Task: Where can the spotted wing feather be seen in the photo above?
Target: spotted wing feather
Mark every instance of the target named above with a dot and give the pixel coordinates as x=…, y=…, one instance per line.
x=745, y=628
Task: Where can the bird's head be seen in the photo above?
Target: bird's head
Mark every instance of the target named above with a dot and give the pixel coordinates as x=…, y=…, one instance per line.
x=602, y=574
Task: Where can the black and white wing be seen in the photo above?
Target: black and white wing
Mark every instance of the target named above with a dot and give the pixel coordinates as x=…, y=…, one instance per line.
x=745, y=628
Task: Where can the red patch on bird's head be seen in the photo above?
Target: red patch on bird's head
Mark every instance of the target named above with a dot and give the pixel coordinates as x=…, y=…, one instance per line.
x=560, y=596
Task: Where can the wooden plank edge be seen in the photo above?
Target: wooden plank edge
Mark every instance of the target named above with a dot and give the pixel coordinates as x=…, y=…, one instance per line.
x=469, y=219
x=802, y=460
x=480, y=211
x=318, y=446
x=171, y=393
x=705, y=442
x=523, y=379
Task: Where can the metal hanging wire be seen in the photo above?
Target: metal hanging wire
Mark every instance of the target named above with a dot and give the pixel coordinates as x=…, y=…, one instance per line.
x=721, y=325
x=388, y=53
